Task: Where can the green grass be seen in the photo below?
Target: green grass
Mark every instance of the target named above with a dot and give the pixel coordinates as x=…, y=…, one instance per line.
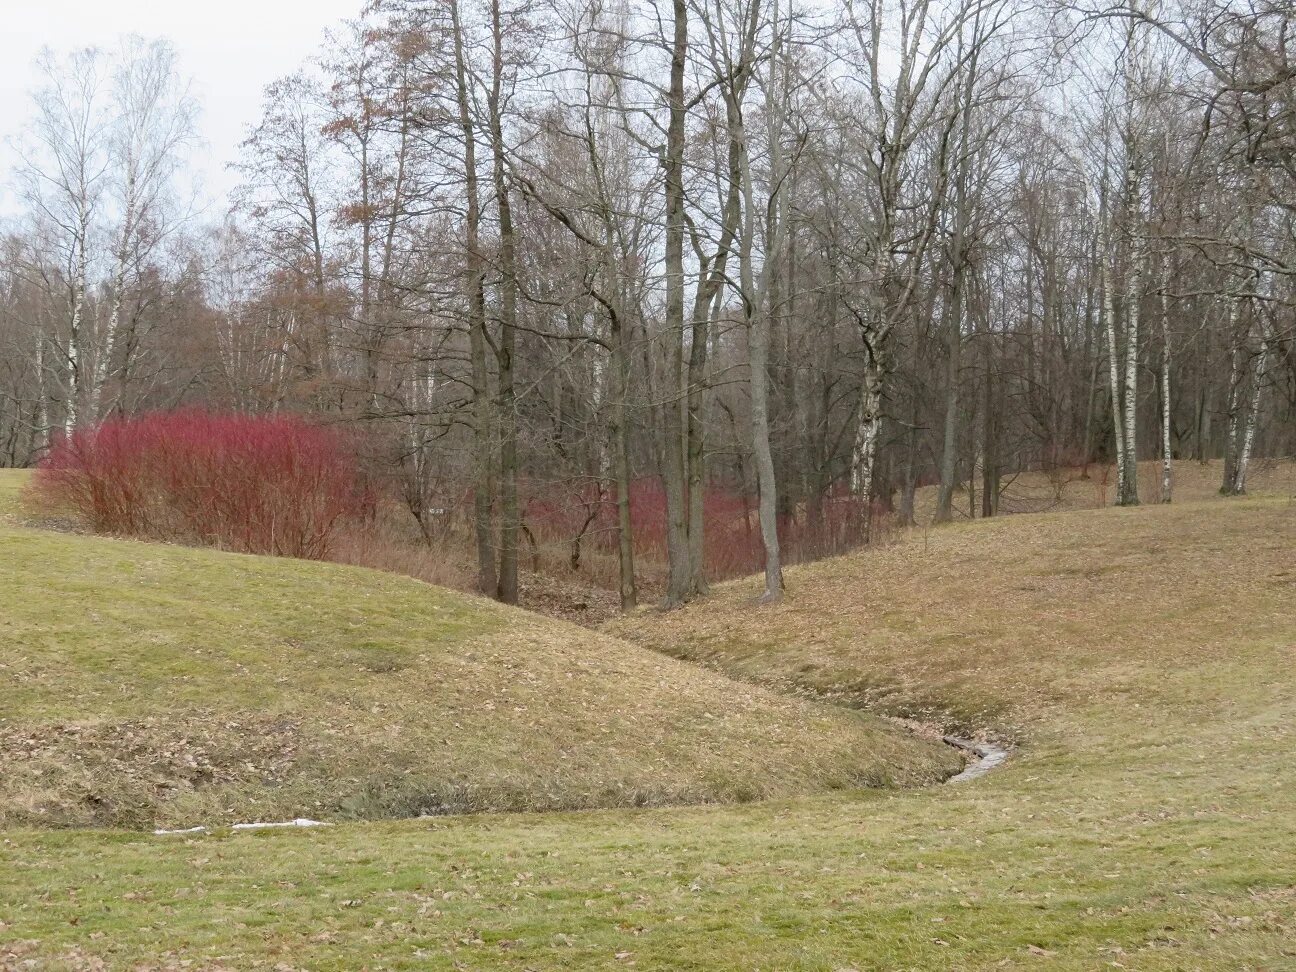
x=1142, y=660
x=153, y=685
x=12, y=483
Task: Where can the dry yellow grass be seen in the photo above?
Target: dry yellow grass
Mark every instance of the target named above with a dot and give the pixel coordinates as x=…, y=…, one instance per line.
x=148, y=684
x=1008, y=626
x=12, y=483
x=1141, y=658
x=1095, y=487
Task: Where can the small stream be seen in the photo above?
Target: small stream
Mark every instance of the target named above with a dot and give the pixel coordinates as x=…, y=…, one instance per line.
x=988, y=756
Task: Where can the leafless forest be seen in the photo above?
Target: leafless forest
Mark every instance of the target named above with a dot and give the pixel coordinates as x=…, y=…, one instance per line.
x=809, y=256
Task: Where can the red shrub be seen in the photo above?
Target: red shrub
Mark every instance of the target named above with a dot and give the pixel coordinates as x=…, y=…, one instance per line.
x=555, y=514
x=256, y=484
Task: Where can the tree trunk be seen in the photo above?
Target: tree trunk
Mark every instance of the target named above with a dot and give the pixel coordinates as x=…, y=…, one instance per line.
x=1113, y=359
x=1234, y=392
x=758, y=336
x=510, y=521
x=949, y=451
x=1129, y=481
x=989, y=438
x=1205, y=399
x=867, y=430
x=958, y=268
x=758, y=360
x=483, y=401
x=77, y=312
x=621, y=452
x=1167, y=470
x=680, y=583
x=910, y=485
x=42, y=430
x=704, y=311
x=1253, y=418
x=108, y=347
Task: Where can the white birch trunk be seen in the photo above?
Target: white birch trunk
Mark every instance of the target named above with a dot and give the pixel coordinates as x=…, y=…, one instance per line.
x=1235, y=386
x=107, y=347
x=1253, y=418
x=76, y=316
x=1129, y=490
x=864, y=454
x=1113, y=360
x=1167, y=473
x=108, y=344
x=42, y=397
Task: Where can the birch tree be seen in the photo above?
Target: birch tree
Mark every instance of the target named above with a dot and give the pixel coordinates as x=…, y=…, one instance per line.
x=909, y=59
x=149, y=135
x=63, y=181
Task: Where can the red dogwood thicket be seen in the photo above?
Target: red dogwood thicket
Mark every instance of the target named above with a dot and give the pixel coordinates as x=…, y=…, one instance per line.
x=585, y=514
x=251, y=483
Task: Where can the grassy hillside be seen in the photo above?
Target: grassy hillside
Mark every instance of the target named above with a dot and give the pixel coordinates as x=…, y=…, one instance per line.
x=156, y=685
x=1142, y=660
x=1095, y=487
x=1059, y=630
x=12, y=482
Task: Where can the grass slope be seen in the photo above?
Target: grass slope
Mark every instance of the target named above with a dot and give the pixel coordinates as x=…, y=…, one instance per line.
x=155, y=685
x=1095, y=487
x=1143, y=659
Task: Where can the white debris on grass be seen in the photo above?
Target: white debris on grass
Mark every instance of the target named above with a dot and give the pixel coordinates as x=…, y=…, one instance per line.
x=297, y=822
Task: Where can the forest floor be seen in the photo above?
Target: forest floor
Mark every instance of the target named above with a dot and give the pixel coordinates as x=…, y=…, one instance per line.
x=1140, y=661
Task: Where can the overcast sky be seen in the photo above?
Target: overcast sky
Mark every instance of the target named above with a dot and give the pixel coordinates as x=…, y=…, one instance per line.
x=231, y=49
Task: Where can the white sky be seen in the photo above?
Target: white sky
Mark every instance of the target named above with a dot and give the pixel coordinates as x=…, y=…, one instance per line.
x=230, y=48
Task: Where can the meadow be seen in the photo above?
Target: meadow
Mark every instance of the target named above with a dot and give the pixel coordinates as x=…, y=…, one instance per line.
x=1138, y=660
